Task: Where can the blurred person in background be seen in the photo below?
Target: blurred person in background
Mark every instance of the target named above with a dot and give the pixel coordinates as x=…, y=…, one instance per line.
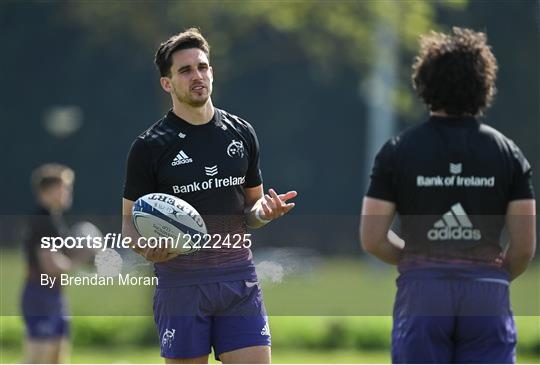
x=455, y=183
x=43, y=307
x=211, y=298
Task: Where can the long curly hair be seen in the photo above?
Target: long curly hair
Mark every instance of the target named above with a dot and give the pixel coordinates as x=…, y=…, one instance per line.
x=455, y=73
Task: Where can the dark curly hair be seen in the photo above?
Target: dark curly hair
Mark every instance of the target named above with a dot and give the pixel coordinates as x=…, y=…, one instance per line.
x=455, y=73
x=190, y=38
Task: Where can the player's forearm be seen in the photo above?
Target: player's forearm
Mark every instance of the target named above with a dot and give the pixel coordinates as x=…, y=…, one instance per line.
x=128, y=230
x=55, y=263
x=387, y=249
x=516, y=262
x=253, y=219
x=521, y=226
x=387, y=252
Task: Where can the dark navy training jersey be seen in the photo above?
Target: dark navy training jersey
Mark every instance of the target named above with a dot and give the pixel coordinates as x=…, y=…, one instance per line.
x=451, y=180
x=43, y=224
x=208, y=166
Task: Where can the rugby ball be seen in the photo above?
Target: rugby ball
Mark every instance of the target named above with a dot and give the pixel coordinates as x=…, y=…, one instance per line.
x=162, y=215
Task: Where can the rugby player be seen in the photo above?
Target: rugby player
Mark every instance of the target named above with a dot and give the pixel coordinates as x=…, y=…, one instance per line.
x=455, y=182
x=209, y=158
x=43, y=308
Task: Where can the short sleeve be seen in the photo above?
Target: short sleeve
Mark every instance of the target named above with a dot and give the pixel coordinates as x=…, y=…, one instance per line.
x=382, y=175
x=253, y=174
x=521, y=186
x=140, y=178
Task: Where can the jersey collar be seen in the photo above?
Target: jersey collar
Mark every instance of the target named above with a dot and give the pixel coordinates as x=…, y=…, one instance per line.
x=179, y=123
x=458, y=122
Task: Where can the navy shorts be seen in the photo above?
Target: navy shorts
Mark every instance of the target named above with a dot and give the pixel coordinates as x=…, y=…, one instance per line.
x=44, y=312
x=453, y=321
x=225, y=316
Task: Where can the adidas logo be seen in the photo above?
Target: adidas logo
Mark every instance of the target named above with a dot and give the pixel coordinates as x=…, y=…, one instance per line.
x=454, y=225
x=211, y=171
x=265, y=331
x=181, y=159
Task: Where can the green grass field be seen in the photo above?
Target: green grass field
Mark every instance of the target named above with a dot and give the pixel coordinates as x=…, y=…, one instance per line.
x=334, y=312
x=137, y=355
x=151, y=355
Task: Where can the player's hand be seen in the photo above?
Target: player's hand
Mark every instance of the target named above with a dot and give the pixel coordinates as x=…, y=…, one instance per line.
x=158, y=254
x=274, y=206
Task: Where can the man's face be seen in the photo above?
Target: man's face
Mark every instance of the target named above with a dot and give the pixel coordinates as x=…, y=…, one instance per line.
x=191, y=77
x=58, y=197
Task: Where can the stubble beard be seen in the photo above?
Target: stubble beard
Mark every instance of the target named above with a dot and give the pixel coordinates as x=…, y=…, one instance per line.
x=186, y=99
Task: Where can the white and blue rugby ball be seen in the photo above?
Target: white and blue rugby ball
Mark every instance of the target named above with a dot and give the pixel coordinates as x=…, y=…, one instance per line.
x=164, y=215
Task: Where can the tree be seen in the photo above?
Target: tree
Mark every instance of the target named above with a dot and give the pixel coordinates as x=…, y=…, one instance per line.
x=334, y=36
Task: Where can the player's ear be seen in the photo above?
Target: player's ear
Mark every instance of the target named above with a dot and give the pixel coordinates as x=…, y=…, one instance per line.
x=165, y=84
x=211, y=73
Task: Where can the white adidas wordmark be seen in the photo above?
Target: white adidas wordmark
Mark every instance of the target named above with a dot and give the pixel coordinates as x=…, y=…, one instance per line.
x=211, y=171
x=181, y=159
x=454, y=225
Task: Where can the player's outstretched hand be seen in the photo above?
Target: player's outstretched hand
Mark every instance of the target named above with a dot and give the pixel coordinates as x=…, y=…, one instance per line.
x=274, y=205
x=158, y=254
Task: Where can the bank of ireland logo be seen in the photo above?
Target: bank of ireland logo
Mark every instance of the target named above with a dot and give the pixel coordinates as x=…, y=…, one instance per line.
x=235, y=149
x=211, y=171
x=167, y=338
x=456, y=168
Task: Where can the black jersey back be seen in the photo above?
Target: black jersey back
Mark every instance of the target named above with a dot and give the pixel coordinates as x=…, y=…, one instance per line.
x=451, y=180
x=206, y=165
